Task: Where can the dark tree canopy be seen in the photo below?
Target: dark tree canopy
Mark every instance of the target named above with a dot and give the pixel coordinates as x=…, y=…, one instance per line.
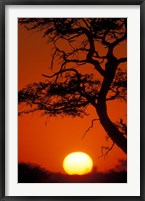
x=70, y=89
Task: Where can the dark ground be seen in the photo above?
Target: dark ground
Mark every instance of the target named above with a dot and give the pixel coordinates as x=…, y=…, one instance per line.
x=29, y=173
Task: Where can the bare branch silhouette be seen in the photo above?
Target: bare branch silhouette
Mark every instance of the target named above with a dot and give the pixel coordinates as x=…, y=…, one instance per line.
x=105, y=150
x=92, y=123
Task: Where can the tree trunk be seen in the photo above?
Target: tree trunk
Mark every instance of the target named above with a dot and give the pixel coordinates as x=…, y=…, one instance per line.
x=115, y=135
x=101, y=108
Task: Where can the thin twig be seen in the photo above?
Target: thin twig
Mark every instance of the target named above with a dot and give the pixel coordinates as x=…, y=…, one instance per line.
x=92, y=123
x=107, y=150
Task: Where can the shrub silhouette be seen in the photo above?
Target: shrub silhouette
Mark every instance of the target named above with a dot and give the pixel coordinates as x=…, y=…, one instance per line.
x=30, y=173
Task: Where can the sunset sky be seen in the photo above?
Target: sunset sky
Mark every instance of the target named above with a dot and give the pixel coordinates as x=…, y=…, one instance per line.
x=46, y=141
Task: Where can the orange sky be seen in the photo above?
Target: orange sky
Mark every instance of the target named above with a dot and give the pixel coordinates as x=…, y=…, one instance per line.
x=46, y=141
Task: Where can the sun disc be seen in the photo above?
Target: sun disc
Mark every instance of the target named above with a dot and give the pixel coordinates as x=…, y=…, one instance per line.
x=77, y=163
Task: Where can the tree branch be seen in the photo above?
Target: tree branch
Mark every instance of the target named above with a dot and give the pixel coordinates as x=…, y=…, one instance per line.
x=122, y=60
x=106, y=149
x=92, y=123
x=62, y=71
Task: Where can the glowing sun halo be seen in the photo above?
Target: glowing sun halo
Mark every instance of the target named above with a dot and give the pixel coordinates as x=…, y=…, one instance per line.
x=77, y=163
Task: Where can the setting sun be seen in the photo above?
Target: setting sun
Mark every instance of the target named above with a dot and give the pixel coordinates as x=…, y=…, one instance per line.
x=77, y=163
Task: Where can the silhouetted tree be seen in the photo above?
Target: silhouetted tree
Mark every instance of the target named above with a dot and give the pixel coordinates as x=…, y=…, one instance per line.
x=69, y=90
